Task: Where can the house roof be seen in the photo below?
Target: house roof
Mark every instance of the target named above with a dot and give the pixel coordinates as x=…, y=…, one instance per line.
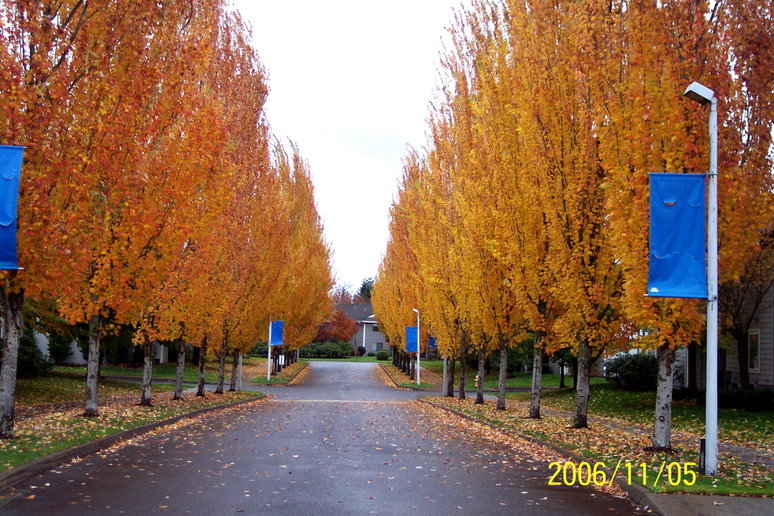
x=360, y=312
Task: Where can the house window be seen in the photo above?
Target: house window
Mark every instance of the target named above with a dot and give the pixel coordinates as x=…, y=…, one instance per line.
x=379, y=346
x=375, y=328
x=753, y=350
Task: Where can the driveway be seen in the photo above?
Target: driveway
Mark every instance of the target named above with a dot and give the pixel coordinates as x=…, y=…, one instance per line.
x=342, y=442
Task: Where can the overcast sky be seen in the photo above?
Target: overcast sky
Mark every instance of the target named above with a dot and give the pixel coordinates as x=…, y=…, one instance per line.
x=350, y=82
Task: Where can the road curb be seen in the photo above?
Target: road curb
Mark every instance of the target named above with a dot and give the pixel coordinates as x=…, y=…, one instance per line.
x=637, y=494
x=28, y=470
x=283, y=384
x=398, y=386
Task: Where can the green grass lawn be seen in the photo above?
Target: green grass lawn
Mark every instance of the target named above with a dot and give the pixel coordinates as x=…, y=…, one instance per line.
x=492, y=380
x=63, y=388
x=51, y=430
x=751, y=428
x=168, y=370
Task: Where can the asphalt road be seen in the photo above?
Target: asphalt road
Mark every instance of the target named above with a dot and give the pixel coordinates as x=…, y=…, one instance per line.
x=340, y=443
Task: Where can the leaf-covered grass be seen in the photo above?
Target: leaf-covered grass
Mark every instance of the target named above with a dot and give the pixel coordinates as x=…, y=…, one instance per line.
x=62, y=388
x=167, y=370
x=44, y=430
x=755, y=429
x=613, y=442
x=286, y=375
x=491, y=381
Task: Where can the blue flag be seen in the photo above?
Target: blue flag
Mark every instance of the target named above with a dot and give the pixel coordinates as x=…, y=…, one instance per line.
x=411, y=339
x=277, y=331
x=431, y=343
x=10, y=175
x=678, y=264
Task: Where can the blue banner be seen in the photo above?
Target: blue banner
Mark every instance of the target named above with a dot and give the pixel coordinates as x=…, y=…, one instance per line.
x=678, y=264
x=277, y=331
x=431, y=343
x=412, y=340
x=10, y=175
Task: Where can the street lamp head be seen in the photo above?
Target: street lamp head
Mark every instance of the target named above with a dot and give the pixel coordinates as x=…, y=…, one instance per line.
x=699, y=93
x=415, y=310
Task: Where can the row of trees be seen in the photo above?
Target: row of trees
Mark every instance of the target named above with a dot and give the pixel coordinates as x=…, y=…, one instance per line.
x=527, y=213
x=152, y=192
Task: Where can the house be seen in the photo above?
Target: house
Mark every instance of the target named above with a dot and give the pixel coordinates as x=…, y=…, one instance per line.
x=692, y=360
x=368, y=334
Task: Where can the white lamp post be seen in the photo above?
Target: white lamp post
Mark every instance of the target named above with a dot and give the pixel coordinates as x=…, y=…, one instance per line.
x=703, y=96
x=419, y=343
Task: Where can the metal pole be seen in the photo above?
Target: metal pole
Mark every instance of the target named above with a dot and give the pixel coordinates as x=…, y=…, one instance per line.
x=364, y=327
x=419, y=348
x=268, y=361
x=711, y=460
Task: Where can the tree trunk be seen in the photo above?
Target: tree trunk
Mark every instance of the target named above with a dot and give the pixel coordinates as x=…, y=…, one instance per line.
x=147, y=373
x=693, y=384
x=575, y=373
x=662, y=430
x=580, y=417
x=179, y=372
x=743, y=357
x=480, y=375
x=92, y=370
x=537, y=378
x=503, y=377
x=450, y=379
x=463, y=365
x=13, y=303
x=202, y=362
x=221, y=371
x=561, y=375
x=234, y=371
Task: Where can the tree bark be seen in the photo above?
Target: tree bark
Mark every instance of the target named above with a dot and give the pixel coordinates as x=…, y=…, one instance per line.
x=202, y=362
x=450, y=379
x=580, y=417
x=13, y=303
x=92, y=370
x=662, y=430
x=693, y=384
x=480, y=374
x=502, y=377
x=234, y=371
x=221, y=370
x=147, y=373
x=561, y=375
x=463, y=365
x=537, y=377
x=743, y=358
x=180, y=371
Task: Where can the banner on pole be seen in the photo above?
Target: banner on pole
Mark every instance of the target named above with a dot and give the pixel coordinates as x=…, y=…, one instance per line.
x=10, y=175
x=277, y=330
x=677, y=260
x=431, y=343
x=412, y=343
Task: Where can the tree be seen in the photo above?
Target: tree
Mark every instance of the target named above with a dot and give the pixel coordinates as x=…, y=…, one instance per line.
x=366, y=291
x=338, y=328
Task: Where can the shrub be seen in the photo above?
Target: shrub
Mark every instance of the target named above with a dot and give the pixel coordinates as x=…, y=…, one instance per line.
x=327, y=350
x=371, y=354
x=31, y=360
x=756, y=400
x=382, y=354
x=633, y=372
x=361, y=351
x=58, y=348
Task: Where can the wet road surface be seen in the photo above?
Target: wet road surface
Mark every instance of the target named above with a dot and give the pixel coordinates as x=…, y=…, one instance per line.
x=340, y=443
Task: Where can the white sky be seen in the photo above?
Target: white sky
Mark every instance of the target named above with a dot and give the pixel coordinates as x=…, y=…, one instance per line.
x=350, y=82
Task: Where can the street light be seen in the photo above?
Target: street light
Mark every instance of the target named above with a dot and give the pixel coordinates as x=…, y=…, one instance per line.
x=703, y=96
x=419, y=343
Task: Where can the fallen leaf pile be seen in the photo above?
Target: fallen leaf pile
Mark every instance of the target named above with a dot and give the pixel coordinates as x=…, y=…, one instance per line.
x=52, y=430
x=607, y=440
